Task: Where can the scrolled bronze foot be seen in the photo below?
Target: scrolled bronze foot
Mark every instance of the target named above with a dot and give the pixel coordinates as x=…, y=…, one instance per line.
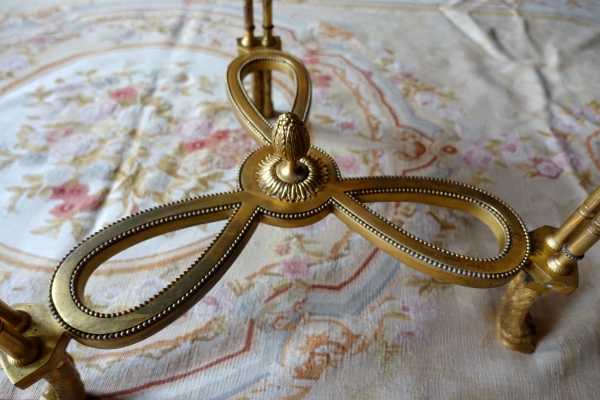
x=514, y=322
x=64, y=382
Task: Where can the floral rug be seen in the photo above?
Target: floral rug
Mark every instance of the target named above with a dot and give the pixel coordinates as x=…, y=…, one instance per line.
x=107, y=109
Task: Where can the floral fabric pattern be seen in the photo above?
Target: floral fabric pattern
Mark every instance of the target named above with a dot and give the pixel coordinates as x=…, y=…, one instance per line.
x=109, y=109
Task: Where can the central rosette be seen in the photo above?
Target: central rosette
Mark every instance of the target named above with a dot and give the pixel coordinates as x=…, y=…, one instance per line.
x=292, y=173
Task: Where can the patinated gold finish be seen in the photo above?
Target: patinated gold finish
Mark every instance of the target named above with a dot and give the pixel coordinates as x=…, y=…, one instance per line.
x=244, y=208
x=64, y=382
x=552, y=267
x=261, y=79
x=268, y=40
x=563, y=262
x=248, y=40
x=291, y=142
x=291, y=174
x=21, y=350
x=19, y=320
x=515, y=327
x=55, y=340
x=584, y=213
x=286, y=183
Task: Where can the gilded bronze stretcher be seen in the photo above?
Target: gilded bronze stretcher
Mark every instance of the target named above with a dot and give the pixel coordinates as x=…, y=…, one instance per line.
x=286, y=183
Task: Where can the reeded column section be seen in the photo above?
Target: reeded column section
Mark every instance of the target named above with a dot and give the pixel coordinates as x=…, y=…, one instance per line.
x=562, y=263
x=19, y=320
x=248, y=39
x=268, y=39
x=21, y=350
x=577, y=220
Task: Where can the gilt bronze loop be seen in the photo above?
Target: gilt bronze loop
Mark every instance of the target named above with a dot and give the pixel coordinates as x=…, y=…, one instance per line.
x=287, y=183
x=251, y=204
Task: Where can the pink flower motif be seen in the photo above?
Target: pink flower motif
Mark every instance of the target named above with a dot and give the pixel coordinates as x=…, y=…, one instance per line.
x=232, y=150
x=411, y=335
x=401, y=77
x=98, y=111
x=195, y=146
x=90, y=203
x=75, y=200
x=135, y=209
x=192, y=129
x=420, y=310
x=348, y=164
x=568, y=160
x=219, y=135
x=58, y=134
x=322, y=81
x=310, y=58
x=345, y=126
x=478, y=158
x=565, y=123
x=294, y=268
x=428, y=99
x=64, y=210
x=73, y=146
x=586, y=113
x=565, y=157
x=216, y=303
x=454, y=113
x=467, y=131
x=124, y=94
x=513, y=150
x=70, y=192
x=39, y=41
x=283, y=249
x=547, y=168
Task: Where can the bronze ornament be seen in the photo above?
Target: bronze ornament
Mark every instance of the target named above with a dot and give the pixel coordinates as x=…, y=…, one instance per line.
x=286, y=183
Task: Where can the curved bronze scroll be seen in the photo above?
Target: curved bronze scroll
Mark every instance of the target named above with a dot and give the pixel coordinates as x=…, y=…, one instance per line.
x=250, y=204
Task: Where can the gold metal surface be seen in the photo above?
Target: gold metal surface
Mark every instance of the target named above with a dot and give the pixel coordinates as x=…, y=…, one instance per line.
x=584, y=213
x=291, y=143
x=64, y=382
x=562, y=263
x=258, y=90
x=286, y=183
x=35, y=347
x=268, y=40
x=291, y=174
x=20, y=349
x=244, y=208
x=54, y=340
x=268, y=176
x=545, y=280
x=515, y=328
x=267, y=105
x=19, y=320
x=261, y=80
x=248, y=40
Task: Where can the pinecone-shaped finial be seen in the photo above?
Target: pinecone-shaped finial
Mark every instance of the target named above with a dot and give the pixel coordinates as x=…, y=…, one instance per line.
x=291, y=141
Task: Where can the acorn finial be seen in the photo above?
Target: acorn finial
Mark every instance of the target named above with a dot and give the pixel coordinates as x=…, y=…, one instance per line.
x=291, y=142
